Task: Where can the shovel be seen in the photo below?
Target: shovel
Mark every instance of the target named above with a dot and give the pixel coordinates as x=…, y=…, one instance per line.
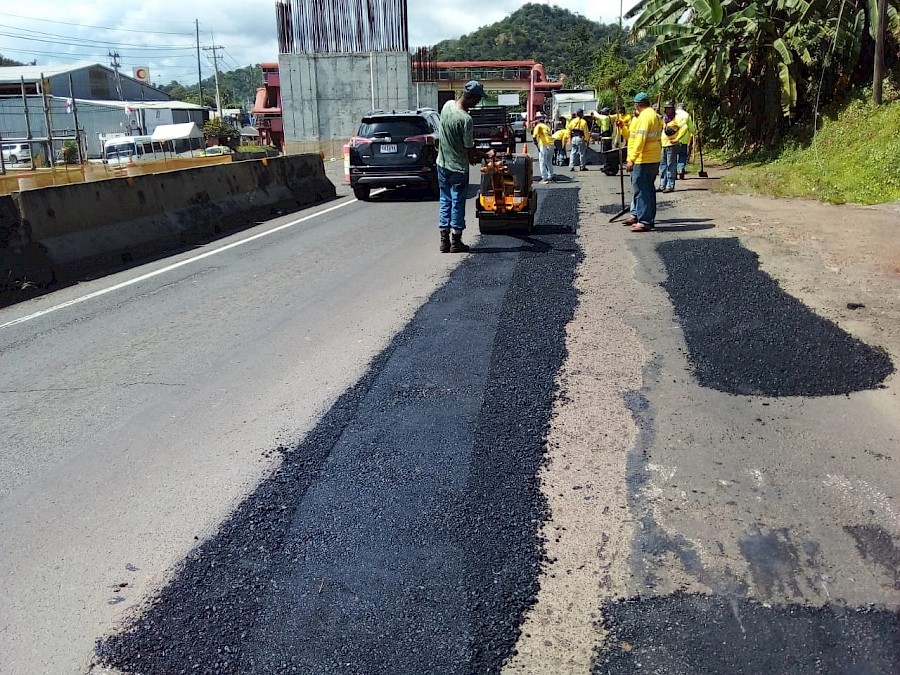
x=702, y=173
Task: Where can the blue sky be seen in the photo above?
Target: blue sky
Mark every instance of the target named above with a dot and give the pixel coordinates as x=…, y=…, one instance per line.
x=159, y=34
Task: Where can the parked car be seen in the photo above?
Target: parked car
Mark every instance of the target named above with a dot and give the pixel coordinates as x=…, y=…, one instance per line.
x=517, y=124
x=215, y=150
x=16, y=153
x=395, y=149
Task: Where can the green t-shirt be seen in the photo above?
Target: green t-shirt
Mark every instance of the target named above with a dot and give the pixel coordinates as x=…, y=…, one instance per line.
x=456, y=138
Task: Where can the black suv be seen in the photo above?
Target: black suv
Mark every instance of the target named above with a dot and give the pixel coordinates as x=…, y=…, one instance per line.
x=394, y=149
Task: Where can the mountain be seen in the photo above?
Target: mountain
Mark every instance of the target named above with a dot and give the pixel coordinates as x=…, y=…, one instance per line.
x=563, y=41
x=237, y=88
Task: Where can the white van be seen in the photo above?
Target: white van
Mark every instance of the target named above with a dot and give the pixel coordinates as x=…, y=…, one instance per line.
x=131, y=150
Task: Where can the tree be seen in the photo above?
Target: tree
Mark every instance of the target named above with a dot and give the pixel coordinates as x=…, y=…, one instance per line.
x=5, y=62
x=616, y=79
x=756, y=61
x=222, y=131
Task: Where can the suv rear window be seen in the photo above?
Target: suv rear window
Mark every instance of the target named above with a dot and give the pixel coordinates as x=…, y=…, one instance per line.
x=401, y=127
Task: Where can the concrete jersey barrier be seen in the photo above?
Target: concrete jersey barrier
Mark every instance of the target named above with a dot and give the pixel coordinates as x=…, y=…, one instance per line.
x=69, y=230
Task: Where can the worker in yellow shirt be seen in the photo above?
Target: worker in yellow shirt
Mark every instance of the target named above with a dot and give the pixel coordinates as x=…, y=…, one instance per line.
x=544, y=138
x=644, y=154
x=684, y=137
x=560, y=143
x=622, y=123
x=579, y=130
x=604, y=120
x=669, y=142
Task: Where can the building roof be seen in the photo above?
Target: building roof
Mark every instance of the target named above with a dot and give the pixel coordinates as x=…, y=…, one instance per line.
x=14, y=74
x=141, y=105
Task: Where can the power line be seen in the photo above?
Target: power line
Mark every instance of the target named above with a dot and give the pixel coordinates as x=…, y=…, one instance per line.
x=91, y=43
x=84, y=25
x=29, y=34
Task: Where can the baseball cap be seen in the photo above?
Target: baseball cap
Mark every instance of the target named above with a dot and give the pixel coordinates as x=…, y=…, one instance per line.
x=641, y=97
x=669, y=104
x=474, y=88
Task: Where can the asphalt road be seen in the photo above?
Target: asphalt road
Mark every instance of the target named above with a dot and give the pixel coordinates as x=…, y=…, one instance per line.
x=320, y=446
x=133, y=422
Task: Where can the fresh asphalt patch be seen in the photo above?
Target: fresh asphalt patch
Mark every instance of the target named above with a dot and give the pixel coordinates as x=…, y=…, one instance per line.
x=685, y=634
x=747, y=336
x=402, y=534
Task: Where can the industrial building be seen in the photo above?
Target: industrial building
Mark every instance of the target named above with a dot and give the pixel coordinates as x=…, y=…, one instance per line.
x=35, y=99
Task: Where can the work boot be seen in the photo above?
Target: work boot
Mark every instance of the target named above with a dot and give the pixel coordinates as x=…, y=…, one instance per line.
x=681, y=176
x=457, y=245
x=445, y=240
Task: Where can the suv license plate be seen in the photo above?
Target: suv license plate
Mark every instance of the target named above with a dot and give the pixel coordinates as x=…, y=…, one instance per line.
x=483, y=146
x=388, y=147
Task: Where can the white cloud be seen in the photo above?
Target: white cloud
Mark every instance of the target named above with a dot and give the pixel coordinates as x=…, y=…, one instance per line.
x=64, y=31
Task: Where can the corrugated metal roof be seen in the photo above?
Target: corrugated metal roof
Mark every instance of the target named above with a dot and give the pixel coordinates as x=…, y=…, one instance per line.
x=140, y=105
x=13, y=74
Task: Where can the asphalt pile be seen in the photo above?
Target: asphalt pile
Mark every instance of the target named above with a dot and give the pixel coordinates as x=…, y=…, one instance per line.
x=747, y=336
x=402, y=534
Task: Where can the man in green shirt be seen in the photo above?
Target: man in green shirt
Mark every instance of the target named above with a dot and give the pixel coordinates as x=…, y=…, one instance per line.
x=456, y=151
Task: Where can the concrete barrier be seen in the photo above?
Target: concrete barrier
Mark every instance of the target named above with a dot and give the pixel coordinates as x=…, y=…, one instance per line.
x=94, y=226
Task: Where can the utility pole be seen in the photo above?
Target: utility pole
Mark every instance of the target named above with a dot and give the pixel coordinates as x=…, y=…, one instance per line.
x=199, y=72
x=114, y=62
x=75, y=120
x=214, y=49
x=878, y=76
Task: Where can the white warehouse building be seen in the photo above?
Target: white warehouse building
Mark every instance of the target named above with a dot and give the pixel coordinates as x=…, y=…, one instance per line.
x=94, y=98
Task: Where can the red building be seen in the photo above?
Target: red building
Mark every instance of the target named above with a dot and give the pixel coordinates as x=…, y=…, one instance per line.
x=267, y=108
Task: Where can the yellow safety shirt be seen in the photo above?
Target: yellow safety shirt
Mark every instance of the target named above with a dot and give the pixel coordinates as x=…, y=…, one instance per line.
x=578, y=123
x=562, y=135
x=685, y=126
x=668, y=141
x=644, y=145
x=542, y=135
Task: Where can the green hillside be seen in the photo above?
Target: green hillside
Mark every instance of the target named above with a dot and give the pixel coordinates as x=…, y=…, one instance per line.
x=855, y=157
x=563, y=41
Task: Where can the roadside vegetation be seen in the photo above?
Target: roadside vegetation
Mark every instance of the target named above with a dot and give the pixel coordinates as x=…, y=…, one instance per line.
x=854, y=157
x=756, y=76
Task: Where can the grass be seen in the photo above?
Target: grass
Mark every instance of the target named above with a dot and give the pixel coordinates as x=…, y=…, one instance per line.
x=854, y=157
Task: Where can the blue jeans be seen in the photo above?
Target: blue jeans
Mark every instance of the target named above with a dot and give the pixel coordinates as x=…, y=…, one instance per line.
x=453, y=186
x=667, y=168
x=644, y=207
x=545, y=162
x=682, y=156
x=576, y=156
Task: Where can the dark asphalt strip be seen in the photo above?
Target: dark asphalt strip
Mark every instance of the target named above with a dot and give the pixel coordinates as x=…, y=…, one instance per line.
x=401, y=535
x=694, y=634
x=747, y=336
x=726, y=632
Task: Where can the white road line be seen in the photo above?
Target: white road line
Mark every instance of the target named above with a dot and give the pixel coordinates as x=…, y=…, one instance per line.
x=173, y=266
